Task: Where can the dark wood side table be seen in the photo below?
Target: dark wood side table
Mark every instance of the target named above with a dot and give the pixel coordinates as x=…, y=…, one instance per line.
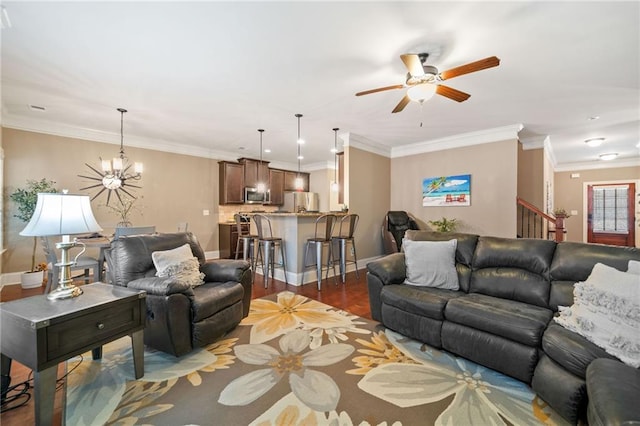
x=41, y=333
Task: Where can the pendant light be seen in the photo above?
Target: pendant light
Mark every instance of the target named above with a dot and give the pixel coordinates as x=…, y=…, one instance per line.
x=261, y=186
x=335, y=186
x=299, y=185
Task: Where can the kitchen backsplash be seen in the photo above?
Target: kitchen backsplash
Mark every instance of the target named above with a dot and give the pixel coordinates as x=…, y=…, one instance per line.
x=226, y=212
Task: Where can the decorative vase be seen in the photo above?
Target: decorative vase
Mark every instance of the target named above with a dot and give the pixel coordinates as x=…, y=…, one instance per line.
x=32, y=279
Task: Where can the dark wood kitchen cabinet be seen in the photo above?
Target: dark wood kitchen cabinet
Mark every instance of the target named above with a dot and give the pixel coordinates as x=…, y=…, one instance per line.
x=290, y=181
x=255, y=172
x=228, y=239
x=276, y=186
x=231, y=182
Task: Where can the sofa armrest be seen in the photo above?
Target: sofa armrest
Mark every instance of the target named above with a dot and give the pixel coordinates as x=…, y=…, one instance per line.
x=222, y=270
x=390, y=269
x=231, y=270
x=161, y=286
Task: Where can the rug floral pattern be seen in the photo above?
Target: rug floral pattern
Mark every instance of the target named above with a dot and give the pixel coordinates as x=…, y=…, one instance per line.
x=296, y=361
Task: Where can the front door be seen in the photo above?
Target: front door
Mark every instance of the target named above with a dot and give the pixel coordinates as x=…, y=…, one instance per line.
x=611, y=214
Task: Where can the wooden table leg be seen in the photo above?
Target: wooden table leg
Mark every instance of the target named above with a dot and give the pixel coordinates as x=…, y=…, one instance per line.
x=137, y=344
x=96, y=353
x=44, y=390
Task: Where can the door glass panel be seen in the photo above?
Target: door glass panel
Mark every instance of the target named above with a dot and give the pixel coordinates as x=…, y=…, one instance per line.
x=610, y=209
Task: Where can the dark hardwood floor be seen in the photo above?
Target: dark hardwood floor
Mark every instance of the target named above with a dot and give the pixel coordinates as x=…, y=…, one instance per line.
x=351, y=296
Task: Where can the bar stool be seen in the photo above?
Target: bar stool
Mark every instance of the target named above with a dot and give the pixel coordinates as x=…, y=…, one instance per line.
x=321, y=239
x=347, y=228
x=267, y=245
x=245, y=238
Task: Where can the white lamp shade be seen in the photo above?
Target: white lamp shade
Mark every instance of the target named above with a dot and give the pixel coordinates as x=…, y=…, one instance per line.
x=61, y=214
x=421, y=92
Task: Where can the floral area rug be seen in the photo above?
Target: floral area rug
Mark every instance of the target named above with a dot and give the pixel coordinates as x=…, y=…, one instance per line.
x=296, y=361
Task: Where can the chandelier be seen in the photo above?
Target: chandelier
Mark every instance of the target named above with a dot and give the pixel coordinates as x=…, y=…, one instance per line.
x=116, y=174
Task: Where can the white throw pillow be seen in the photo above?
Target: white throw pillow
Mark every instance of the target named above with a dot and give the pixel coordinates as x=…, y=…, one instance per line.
x=606, y=311
x=431, y=263
x=634, y=267
x=178, y=263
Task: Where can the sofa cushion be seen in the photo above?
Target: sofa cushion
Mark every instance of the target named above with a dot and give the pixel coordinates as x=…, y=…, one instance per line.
x=431, y=264
x=575, y=261
x=516, y=321
x=570, y=350
x=513, y=269
x=425, y=301
x=133, y=254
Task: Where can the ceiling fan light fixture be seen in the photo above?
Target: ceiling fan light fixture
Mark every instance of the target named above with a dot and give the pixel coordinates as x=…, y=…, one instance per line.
x=594, y=142
x=608, y=157
x=422, y=92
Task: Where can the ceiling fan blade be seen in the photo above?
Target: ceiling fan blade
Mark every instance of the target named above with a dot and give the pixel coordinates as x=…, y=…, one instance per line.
x=451, y=93
x=471, y=67
x=403, y=103
x=380, y=89
x=413, y=64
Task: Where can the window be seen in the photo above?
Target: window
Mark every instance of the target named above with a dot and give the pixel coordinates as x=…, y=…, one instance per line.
x=610, y=209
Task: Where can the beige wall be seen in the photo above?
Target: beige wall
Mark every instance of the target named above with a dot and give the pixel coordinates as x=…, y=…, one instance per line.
x=175, y=188
x=531, y=176
x=493, y=170
x=570, y=195
x=368, y=196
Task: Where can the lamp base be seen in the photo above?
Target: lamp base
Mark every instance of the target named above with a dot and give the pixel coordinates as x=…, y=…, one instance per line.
x=65, y=292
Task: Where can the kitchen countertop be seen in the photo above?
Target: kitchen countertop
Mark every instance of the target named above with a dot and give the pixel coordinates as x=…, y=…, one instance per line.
x=291, y=214
x=303, y=214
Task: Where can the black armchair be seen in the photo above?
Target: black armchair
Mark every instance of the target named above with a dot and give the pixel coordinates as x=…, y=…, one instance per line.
x=395, y=224
x=179, y=317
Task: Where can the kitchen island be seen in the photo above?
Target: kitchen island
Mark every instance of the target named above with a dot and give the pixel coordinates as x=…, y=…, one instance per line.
x=294, y=229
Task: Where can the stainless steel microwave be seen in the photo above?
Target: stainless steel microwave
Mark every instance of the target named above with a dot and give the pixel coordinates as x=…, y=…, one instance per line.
x=253, y=196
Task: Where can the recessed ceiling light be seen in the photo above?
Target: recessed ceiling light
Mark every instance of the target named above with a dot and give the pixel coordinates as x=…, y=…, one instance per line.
x=594, y=117
x=593, y=142
x=609, y=156
x=267, y=150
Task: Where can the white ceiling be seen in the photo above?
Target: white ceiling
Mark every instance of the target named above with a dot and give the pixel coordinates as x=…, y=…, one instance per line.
x=202, y=77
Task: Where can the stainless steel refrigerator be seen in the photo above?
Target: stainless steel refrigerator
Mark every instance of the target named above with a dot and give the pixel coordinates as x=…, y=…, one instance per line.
x=298, y=202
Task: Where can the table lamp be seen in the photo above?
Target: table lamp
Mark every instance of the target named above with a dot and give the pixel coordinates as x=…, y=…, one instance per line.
x=62, y=214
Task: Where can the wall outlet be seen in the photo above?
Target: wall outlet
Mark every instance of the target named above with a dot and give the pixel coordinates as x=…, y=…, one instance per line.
x=205, y=212
x=574, y=212
x=575, y=175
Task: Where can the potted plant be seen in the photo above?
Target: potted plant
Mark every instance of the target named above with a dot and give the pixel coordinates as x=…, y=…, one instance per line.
x=561, y=213
x=124, y=208
x=445, y=225
x=26, y=199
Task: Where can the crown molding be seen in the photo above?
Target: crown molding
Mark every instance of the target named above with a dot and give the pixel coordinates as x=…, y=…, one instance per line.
x=57, y=129
x=598, y=164
x=459, y=141
x=534, y=142
x=360, y=142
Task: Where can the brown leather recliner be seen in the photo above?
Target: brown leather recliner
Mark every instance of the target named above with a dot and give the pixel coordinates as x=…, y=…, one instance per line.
x=395, y=224
x=179, y=317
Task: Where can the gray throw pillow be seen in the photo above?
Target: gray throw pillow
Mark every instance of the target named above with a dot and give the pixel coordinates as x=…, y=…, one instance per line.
x=178, y=263
x=431, y=263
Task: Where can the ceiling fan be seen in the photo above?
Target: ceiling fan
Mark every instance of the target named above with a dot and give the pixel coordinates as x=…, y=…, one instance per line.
x=424, y=80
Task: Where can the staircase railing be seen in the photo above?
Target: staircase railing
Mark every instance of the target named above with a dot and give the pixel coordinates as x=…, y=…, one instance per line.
x=534, y=223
